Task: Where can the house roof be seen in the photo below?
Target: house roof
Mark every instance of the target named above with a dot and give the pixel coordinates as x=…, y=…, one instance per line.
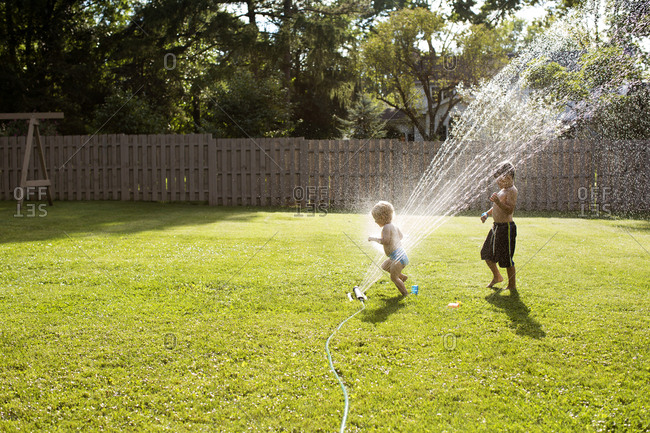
x=393, y=114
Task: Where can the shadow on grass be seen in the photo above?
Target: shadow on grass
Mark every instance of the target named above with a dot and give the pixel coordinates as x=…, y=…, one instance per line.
x=636, y=226
x=391, y=305
x=116, y=217
x=518, y=313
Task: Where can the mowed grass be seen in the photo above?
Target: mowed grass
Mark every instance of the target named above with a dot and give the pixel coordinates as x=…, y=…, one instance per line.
x=161, y=317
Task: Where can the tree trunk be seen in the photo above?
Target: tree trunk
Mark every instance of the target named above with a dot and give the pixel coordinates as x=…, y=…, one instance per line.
x=250, y=13
x=9, y=8
x=196, y=108
x=287, y=12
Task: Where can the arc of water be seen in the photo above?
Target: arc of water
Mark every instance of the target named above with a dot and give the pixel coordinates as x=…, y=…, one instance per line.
x=446, y=186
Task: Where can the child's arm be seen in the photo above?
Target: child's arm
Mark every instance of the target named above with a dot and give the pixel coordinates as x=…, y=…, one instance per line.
x=508, y=202
x=385, y=236
x=485, y=215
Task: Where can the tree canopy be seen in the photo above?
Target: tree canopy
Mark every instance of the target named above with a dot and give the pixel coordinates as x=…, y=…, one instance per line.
x=236, y=69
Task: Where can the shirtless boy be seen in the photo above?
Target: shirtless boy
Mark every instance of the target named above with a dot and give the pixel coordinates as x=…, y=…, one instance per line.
x=499, y=247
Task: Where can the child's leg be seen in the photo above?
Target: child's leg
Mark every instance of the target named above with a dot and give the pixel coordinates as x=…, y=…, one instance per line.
x=395, y=272
x=386, y=267
x=496, y=275
x=512, y=282
x=401, y=275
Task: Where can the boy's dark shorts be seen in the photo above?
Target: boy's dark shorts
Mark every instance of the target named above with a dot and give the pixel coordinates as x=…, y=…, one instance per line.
x=499, y=246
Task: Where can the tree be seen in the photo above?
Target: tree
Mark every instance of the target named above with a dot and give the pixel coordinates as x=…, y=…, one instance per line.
x=170, y=52
x=176, y=57
x=126, y=113
x=491, y=12
x=485, y=50
x=364, y=120
x=316, y=47
x=244, y=106
x=48, y=59
x=409, y=64
x=495, y=12
x=397, y=68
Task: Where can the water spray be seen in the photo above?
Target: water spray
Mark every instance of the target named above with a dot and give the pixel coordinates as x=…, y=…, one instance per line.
x=506, y=120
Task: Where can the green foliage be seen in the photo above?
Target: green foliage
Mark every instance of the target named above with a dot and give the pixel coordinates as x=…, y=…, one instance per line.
x=408, y=63
x=622, y=117
x=72, y=55
x=554, y=81
x=364, y=120
x=382, y=6
x=127, y=113
x=177, y=55
x=152, y=317
x=491, y=12
x=49, y=59
x=394, y=64
x=605, y=90
x=607, y=67
x=13, y=128
x=485, y=49
x=495, y=12
x=245, y=106
x=323, y=75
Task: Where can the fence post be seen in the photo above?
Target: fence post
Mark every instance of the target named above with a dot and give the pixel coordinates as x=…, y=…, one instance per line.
x=212, y=170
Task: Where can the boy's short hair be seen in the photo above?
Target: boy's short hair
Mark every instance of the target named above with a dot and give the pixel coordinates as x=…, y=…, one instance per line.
x=382, y=212
x=505, y=167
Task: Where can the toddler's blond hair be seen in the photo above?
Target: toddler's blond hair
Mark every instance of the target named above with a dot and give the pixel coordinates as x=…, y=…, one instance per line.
x=383, y=212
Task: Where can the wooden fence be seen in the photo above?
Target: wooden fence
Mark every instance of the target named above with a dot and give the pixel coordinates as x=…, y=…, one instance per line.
x=567, y=176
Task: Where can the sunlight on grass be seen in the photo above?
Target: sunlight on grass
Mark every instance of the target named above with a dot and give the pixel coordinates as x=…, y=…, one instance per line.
x=124, y=316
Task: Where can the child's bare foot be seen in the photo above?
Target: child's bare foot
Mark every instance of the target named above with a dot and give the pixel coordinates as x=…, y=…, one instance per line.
x=403, y=277
x=495, y=280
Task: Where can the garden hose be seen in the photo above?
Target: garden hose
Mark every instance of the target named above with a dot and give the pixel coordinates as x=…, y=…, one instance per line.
x=329, y=357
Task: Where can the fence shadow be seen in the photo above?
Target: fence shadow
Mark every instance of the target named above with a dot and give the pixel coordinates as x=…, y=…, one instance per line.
x=108, y=217
x=637, y=226
x=518, y=313
x=391, y=306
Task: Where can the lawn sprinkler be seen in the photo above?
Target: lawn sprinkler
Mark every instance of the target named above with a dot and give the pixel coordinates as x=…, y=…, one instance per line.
x=357, y=293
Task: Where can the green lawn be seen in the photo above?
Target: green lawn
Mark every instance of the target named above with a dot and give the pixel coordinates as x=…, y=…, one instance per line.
x=164, y=317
